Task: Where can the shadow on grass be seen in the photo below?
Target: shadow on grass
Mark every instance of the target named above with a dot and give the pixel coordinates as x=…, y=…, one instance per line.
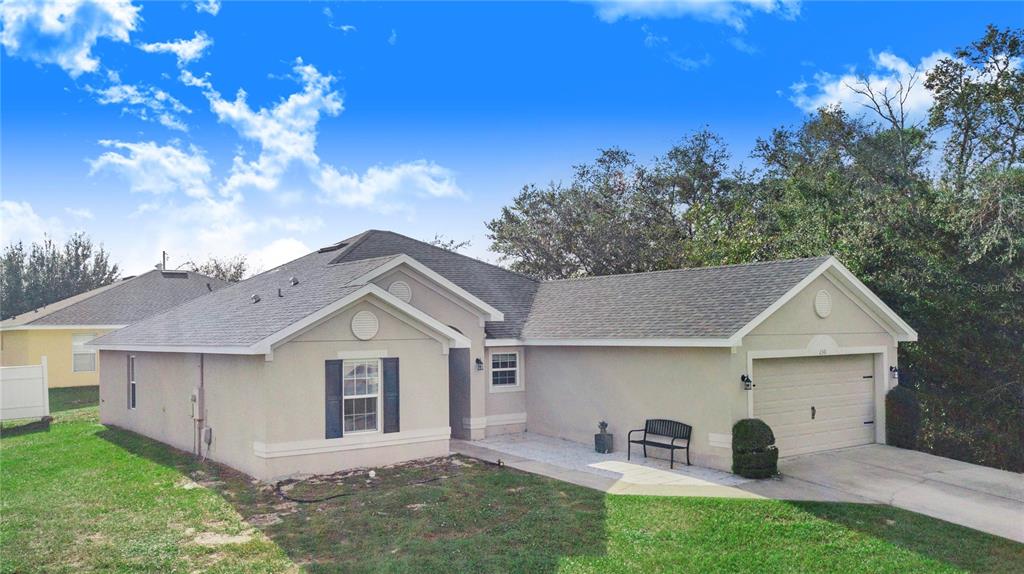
x=976, y=551
x=19, y=428
x=440, y=515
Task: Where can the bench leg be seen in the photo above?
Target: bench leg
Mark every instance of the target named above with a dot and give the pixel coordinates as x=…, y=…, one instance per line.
x=629, y=449
x=645, y=450
x=672, y=458
x=687, y=455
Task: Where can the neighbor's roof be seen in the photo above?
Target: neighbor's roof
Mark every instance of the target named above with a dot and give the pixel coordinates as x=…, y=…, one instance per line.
x=509, y=292
x=229, y=318
x=703, y=302
x=120, y=303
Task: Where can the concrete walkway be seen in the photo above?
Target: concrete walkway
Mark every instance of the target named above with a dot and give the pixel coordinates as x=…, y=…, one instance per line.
x=978, y=497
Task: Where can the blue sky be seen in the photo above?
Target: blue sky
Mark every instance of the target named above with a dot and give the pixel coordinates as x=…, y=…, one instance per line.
x=125, y=119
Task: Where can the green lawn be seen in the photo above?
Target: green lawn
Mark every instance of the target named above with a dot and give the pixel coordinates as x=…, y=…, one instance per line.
x=81, y=497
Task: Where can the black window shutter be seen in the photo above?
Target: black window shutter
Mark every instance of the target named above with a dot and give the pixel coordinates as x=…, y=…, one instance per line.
x=333, y=386
x=391, y=412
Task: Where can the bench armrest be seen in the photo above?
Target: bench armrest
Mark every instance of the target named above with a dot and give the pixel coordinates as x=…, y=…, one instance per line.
x=675, y=438
x=629, y=436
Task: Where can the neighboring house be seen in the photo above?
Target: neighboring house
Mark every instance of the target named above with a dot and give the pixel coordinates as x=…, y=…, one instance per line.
x=60, y=330
x=380, y=348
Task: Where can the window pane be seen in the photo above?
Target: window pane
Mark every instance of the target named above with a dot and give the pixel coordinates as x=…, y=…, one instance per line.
x=503, y=361
x=83, y=362
x=360, y=414
x=503, y=377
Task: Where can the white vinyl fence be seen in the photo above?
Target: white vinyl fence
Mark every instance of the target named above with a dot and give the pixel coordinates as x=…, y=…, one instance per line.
x=23, y=392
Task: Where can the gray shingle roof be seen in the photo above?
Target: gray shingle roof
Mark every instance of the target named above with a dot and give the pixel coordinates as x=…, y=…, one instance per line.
x=228, y=317
x=711, y=302
x=706, y=302
x=123, y=302
x=509, y=292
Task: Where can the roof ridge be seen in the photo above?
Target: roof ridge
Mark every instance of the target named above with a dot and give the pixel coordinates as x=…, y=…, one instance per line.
x=678, y=269
x=442, y=249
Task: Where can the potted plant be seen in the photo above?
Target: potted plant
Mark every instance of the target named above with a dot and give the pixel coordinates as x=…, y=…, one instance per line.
x=603, y=439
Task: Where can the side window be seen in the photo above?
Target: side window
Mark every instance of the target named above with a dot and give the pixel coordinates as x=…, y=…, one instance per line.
x=504, y=369
x=131, y=382
x=83, y=360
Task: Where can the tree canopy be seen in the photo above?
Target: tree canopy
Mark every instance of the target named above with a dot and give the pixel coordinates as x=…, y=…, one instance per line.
x=46, y=272
x=930, y=215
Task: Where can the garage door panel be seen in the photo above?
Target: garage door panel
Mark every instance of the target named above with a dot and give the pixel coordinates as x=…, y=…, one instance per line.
x=836, y=387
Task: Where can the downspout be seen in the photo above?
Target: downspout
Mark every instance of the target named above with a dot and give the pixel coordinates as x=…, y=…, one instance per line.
x=200, y=406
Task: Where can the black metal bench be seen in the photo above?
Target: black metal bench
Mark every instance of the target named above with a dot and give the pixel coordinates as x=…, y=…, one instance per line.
x=666, y=429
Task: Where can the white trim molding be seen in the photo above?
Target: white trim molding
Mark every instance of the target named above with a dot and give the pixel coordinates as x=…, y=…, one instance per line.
x=76, y=327
x=506, y=419
x=476, y=423
x=266, y=345
x=358, y=441
x=492, y=313
x=369, y=354
x=651, y=342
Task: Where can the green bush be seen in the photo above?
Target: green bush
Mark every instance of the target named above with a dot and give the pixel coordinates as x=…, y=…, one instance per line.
x=751, y=435
x=754, y=454
x=764, y=464
x=902, y=417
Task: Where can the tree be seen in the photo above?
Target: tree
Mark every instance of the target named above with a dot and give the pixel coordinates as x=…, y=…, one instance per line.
x=447, y=244
x=979, y=98
x=47, y=273
x=945, y=250
x=230, y=269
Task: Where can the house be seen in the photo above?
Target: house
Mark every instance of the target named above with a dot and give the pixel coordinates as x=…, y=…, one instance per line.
x=380, y=348
x=60, y=330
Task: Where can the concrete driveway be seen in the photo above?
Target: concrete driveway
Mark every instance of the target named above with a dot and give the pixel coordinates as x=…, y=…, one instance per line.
x=975, y=496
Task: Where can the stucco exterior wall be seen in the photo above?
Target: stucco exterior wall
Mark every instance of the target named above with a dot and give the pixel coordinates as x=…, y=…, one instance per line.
x=437, y=302
x=26, y=347
x=506, y=406
x=570, y=389
x=268, y=417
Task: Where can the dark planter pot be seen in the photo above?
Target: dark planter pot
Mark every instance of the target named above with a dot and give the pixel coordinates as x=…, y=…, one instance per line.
x=603, y=442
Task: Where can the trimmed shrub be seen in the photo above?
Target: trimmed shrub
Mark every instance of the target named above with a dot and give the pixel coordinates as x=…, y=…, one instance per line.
x=754, y=454
x=763, y=464
x=902, y=417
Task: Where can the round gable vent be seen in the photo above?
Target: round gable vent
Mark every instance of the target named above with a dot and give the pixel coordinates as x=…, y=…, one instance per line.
x=401, y=290
x=823, y=303
x=364, y=325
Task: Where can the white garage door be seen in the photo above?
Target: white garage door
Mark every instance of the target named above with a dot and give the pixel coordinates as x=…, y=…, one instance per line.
x=816, y=403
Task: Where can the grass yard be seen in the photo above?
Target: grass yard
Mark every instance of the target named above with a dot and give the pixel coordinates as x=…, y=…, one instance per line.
x=81, y=497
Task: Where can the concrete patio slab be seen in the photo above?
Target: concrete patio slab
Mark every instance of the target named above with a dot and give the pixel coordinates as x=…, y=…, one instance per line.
x=978, y=497
x=579, y=464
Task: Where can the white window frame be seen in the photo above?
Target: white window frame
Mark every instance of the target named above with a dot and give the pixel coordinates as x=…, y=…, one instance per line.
x=378, y=395
x=77, y=350
x=133, y=395
x=518, y=386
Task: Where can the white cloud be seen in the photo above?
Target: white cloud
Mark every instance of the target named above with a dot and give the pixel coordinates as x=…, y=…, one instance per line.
x=743, y=46
x=208, y=6
x=152, y=168
x=164, y=106
x=689, y=64
x=732, y=13
x=64, y=32
x=887, y=72
x=185, y=50
x=79, y=212
x=277, y=252
x=393, y=38
x=419, y=177
x=285, y=132
x=21, y=223
x=346, y=28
